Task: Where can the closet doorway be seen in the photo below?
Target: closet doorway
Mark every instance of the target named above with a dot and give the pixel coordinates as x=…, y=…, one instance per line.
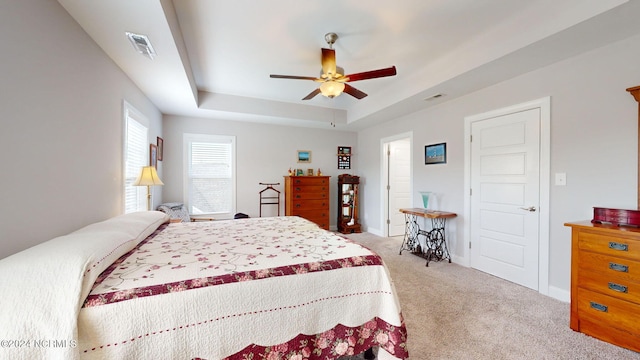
x=396, y=181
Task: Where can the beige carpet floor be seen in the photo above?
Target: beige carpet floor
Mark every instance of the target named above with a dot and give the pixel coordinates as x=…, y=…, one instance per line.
x=454, y=312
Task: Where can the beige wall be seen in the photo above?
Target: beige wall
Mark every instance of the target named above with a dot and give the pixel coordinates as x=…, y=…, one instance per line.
x=593, y=140
x=60, y=126
x=264, y=154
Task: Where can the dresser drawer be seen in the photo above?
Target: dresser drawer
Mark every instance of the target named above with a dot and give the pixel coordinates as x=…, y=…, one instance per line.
x=310, y=192
x=609, y=245
x=323, y=222
x=310, y=204
x=310, y=181
x=308, y=197
x=614, y=267
x=311, y=214
x=610, y=285
x=609, y=311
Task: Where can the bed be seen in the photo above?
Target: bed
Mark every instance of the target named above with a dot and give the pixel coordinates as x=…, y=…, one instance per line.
x=138, y=287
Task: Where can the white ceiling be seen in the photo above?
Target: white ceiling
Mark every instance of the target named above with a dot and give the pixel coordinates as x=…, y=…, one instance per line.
x=214, y=57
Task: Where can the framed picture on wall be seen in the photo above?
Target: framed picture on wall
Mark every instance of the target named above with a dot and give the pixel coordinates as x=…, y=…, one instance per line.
x=435, y=154
x=304, y=156
x=160, y=148
x=153, y=155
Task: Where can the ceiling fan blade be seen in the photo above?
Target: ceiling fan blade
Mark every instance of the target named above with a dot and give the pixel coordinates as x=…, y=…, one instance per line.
x=292, y=77
x=391, y=71
x=328, y=61
x=312, y=94
x=354, y=92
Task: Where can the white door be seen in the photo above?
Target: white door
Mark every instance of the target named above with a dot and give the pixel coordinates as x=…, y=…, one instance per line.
x=505, y=196
x=399, y=181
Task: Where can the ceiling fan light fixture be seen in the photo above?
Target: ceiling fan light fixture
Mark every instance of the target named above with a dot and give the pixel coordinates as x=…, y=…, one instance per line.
x=331, y=89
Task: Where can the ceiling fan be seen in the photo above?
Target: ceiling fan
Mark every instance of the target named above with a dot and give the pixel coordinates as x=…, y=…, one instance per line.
x=332, y=80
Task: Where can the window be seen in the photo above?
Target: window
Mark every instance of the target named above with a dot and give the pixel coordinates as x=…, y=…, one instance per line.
x=135, y=157
x=210, y=184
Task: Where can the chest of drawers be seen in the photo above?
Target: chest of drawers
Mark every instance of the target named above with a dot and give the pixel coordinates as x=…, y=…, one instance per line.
x=605, y=282
x=308, y=197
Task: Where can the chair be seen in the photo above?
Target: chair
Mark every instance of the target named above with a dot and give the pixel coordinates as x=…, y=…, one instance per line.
x=178, y=213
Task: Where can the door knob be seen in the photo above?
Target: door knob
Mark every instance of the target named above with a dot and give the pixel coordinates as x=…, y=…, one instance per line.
x=530, y=208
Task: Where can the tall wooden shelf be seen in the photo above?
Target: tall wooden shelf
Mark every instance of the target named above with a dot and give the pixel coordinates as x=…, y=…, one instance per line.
x=348, y=204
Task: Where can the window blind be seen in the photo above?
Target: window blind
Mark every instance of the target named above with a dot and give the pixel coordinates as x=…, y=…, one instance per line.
x=210, y=173
x=135, y=157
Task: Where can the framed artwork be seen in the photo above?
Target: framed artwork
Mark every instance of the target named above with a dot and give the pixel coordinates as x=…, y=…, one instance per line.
x=344, y=157
x=153, y=155
x=160, y=148
x=309, y=172
x=435, y=154
x=299, y=172
x=304, y=156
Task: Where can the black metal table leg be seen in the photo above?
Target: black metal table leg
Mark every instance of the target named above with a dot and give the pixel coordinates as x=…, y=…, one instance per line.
x=436, y=242
x=411, y=231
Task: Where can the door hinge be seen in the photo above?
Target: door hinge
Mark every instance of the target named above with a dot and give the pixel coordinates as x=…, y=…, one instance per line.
x=469, y=244
x=470, y=138
x=388, y=187
x=470, y=191
x=388, y=221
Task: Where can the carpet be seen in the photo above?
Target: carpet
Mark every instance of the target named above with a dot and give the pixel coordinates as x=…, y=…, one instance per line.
x=455, y=312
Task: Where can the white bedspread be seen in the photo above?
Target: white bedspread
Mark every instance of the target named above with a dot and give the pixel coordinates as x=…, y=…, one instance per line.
x=278, y=287
x=44, y=286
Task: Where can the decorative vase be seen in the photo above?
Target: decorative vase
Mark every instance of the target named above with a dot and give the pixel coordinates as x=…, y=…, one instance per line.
x=425, y=198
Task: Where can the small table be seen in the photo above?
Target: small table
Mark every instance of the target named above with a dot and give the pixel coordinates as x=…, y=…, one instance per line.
x=435, y=240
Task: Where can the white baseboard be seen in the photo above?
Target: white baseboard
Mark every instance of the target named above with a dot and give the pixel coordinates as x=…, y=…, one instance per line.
x=460, y=260
x=559, y=294
x=554, y=292
x=373, y=231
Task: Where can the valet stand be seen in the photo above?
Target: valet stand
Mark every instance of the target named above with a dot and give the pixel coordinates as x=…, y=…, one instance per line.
x=269, y=198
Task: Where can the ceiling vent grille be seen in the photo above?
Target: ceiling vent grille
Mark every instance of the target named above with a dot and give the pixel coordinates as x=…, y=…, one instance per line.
x=142, y=44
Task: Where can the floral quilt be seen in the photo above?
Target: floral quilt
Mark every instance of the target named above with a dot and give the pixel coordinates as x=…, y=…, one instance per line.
x=258, y=288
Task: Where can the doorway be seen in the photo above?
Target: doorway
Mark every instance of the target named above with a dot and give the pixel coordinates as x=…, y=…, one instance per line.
x=397, y=183
x=507, y=193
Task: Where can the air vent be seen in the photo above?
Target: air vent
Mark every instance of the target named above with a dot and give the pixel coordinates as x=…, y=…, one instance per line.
x=142, y=44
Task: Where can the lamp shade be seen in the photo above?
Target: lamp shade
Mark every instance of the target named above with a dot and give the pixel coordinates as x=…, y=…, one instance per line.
x=331, y=89
x=148, y=177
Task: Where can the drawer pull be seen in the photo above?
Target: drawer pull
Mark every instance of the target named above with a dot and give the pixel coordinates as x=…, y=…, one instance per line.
x=297, y=205
x=618, y=287
x=599, y=307
x=298, y=196
x=298, y=189
x=618, y=246
x=618, y=267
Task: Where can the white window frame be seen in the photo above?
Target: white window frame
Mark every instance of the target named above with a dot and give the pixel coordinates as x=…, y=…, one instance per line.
x=187, y=140
x=130, y=113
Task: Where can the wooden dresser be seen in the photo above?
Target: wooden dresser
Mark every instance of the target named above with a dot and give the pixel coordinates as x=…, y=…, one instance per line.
x=605, y=282
x=308, y=197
